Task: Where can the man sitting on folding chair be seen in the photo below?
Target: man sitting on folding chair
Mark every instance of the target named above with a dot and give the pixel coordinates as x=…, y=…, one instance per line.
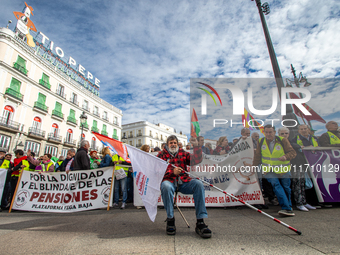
x=176, y=178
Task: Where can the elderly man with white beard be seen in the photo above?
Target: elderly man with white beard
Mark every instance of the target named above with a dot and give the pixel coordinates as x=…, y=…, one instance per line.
x=176, y=178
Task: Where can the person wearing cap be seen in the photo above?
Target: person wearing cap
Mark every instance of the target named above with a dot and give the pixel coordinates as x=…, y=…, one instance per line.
x=94, y=160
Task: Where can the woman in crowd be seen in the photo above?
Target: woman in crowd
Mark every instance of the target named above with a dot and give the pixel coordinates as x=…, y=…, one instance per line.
x=222, y=146
x=145, y=148
x=107, y=157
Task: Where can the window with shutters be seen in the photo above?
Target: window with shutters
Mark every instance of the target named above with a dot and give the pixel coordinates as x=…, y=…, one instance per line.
x=51, y=150
x=14, y=89
x=104, y=132
x=40, y=103
x=94, y=126
x=72, y=116
x=45, y=81
x=114, y=136
x=33, y=146
x=57, y=110
x=20, y=65
x=5, y=141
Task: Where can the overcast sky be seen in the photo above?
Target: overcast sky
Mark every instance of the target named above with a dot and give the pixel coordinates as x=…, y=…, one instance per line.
x=145, y=52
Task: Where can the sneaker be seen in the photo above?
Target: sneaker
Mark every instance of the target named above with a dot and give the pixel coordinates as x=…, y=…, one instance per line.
x=308, y=206
x=139, y=207
x=123, y=206
x=302, y=208
x=115, y=205
x=202, y=230
x=326, y=205
x=286, y=213
x=274, y=202
x=170, y=226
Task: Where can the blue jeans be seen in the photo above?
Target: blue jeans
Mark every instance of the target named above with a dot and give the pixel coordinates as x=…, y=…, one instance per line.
x=194, y=187
x=122, y=182
x=281, y=187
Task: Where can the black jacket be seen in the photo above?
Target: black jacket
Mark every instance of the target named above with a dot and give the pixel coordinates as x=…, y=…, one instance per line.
x=81, y=160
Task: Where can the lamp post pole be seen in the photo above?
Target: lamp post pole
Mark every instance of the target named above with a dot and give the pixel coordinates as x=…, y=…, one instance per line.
x=290, y=118
x=83, y=119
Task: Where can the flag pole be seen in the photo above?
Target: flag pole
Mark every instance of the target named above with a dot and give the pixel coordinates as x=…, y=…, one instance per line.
x=16, y=189
x=112, y=180
x=245, y=203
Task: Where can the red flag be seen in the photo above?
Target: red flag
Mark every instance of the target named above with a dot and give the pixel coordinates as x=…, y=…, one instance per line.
x=297, y=111
x=114, y=145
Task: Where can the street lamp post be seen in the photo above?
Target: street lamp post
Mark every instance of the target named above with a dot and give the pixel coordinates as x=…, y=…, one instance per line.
x=264, y=9
x=83, y=119
x=297, y=81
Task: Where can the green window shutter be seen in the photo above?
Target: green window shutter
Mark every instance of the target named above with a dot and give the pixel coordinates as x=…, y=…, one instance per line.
x=72, y=114
x=45, y=78
x=115, y=132
x=41, y=99
x=94, y=124
x=58, y=107
x=15, y=85
x=104, y=128
x=21, y=61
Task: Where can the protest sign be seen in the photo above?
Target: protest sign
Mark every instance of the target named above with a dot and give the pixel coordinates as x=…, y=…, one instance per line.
x=324, y=171
x=64, y=192
x=3, y=173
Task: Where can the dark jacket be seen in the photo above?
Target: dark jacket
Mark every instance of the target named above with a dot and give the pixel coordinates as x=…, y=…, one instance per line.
x=63, y=165
x=81, y=160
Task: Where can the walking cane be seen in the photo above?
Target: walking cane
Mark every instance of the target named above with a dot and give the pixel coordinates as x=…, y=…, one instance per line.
x=245, y=203
x=180, y=212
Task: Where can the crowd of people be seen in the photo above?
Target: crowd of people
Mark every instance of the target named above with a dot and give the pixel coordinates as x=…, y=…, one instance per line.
x=281, y=187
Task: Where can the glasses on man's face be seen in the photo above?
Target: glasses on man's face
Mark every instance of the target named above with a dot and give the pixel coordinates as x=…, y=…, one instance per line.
x=284, y=134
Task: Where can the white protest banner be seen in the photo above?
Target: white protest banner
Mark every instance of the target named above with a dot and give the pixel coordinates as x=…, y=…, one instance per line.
x=228, y=173
x=3, y=174
x=148, y=172
x=62, y=192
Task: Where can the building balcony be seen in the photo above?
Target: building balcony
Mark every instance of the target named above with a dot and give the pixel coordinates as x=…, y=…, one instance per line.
x=14, y=94
x=71, y=120
x=105, y=118
x=95, y=129
x=104, y=133
x=115, y=137
x=74, y=101
x=116, y=123
x=139, y=135
x=138, y=145
x=54, y=138
x=61, y=93
x=20, y=68
x=70, y=142
x=130, y=136
x=33, y=131
x=46, y=84
x=57, y=114
x=9, y=124
x=40, y=106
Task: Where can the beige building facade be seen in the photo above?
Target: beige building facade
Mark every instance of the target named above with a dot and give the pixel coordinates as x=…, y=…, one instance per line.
x=41, y=103
x=144, y=132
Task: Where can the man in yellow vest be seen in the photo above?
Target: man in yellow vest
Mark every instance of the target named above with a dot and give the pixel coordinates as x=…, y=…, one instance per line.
x=6, y=164
x=275, y=153
x=118, y=160
x=332, y=137
x=304, y=138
